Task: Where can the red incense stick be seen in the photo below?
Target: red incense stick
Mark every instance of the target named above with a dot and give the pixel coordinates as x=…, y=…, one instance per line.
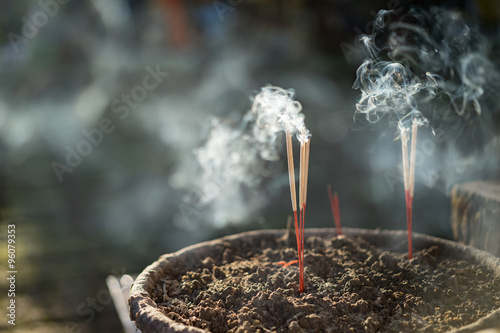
x=334, y=204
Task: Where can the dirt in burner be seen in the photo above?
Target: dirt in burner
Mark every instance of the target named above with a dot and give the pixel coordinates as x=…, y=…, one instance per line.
x=351, y=286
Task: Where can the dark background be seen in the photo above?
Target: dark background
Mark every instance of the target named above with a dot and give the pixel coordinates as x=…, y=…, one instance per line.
x=121, y=206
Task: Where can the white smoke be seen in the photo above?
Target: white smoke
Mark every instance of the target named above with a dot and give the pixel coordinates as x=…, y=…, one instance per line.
x=386, y=88
x=433, y=67
x=275, y=111
x=435, y=49
x=235, y=161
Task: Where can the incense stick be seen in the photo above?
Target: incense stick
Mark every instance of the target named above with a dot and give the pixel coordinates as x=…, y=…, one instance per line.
x=334, y=204
x=409, y=177
x=291, y=170
x=303, y=178
x=293, y=191
x=301, y=174
x=404, y=143
x=407, y=183
x=413, y=153
x=411, y=187
x=304, y=173
x=301, y=215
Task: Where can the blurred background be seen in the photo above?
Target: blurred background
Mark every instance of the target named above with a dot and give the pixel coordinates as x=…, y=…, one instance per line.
x=104, y=103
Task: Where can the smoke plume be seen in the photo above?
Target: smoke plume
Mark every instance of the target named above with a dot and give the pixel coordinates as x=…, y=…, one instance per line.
x=235, y=161
x=433, y=64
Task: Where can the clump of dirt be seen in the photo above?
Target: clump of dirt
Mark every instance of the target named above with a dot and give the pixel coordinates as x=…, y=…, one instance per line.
x=351, y=285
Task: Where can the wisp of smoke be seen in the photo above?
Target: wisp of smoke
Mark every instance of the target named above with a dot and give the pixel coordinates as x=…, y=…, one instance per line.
x=433, y=50
x=274, y=111
x=413, y=118
x=234, y=161
x=431, y=66
x=386, y=88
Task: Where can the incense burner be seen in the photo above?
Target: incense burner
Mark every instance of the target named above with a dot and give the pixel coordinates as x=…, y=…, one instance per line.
x=361, y=280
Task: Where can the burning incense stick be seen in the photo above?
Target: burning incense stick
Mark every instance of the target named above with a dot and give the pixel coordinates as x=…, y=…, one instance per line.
x=304, y=172
x=291, y=173
x=334, y=204
x=404, y=147
x=407, y=181
x=291, y=178
x=411, y=186
x=300, y=245
x=413, y=153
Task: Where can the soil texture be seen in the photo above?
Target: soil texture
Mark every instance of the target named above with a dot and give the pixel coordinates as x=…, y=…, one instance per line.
x=351, y=286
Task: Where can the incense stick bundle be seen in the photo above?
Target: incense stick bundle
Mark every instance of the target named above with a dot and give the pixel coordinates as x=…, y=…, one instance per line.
x=303, y=177
x=409, y=177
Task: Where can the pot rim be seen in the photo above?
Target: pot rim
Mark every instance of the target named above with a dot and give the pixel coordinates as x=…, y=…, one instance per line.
x=144, y=311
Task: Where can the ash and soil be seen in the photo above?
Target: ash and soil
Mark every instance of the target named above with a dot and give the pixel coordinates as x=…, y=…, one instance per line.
x=351, y=285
